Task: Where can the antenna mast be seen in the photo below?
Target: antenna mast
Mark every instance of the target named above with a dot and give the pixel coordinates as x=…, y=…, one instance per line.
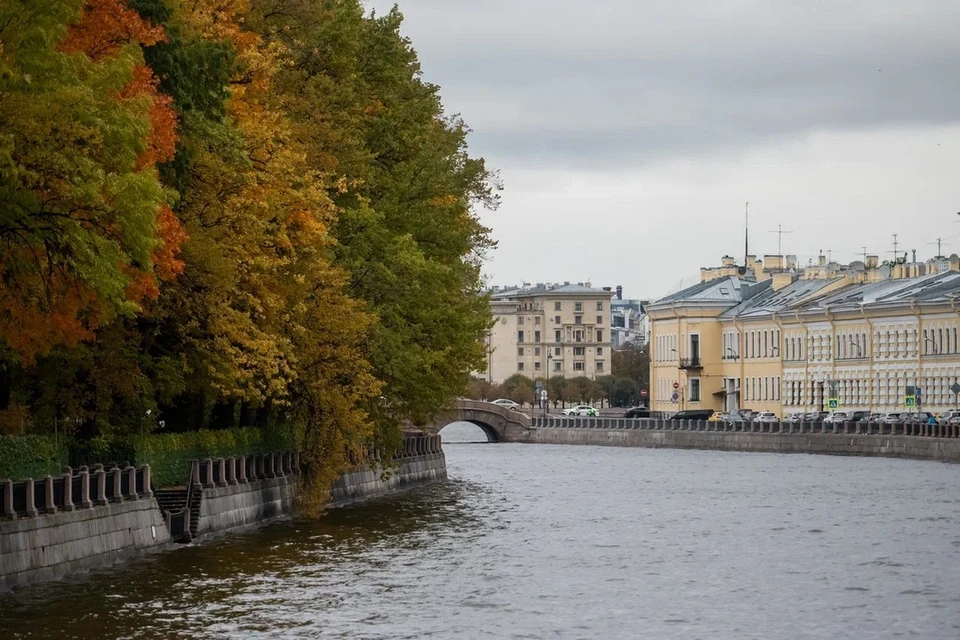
x=746, y=234
x=780, y=233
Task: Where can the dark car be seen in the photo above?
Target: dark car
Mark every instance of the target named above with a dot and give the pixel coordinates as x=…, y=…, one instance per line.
x=637, y=412
x=857, y=416
x=692, y=414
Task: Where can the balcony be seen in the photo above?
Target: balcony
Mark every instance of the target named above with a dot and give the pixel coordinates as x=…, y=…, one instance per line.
x=690, y=363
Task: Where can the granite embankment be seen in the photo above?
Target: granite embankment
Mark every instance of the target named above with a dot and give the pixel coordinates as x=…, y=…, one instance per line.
x=96, y=517
x=928, y=442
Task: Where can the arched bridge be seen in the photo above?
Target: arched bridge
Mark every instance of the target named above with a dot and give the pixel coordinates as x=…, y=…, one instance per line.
x=499, y=423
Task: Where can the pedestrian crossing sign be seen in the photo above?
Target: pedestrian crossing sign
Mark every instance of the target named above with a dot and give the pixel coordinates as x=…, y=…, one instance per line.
x=833, y=403
x=910, y=402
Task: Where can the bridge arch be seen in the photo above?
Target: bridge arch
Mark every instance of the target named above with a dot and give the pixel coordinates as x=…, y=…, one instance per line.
x=498, y=423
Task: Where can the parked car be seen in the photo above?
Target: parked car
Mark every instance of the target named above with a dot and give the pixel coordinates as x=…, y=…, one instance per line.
x=815, y=416
x=836, y=416
x=507, y=404
x=857, y=416
x=891, y=418
x=794, y=417
x=920, y=417
x=766, y=417
x=875, y=417
x=692, y=414
x=581, y=410
x=637, y=412
x=732, y=418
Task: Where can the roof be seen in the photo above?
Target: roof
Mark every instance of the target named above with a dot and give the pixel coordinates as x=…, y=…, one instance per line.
x=542, y=289
x=769, y=301
x=728, y=289
x=930, y=289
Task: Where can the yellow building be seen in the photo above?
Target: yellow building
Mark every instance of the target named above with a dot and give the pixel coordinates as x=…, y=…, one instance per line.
x=549, y=330
x=778, y=338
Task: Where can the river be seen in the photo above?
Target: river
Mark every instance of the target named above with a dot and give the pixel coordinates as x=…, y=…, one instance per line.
x=528, y=541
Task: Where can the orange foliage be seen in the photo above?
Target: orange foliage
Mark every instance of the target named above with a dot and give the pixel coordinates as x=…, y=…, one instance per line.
x=162, y=140
x=35, y=316
x=166, y=265
x=106, y=26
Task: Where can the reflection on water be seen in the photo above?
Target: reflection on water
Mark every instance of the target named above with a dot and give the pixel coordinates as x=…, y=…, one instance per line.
x=561, y=542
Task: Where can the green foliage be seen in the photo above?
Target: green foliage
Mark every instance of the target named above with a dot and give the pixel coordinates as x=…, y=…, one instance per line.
x=31, y=456
x=169, y=454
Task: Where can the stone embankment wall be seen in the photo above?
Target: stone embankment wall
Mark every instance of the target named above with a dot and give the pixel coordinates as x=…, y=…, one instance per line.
x=76, y=522
x=244, y=492
x=928, y=442
x=421, y=462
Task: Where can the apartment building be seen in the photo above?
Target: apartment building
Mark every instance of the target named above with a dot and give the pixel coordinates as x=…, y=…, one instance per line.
x=549, y=330
x=774, y=337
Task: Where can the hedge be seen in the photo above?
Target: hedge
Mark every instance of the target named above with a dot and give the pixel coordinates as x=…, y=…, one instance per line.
x=31, y=456
x=169, y=454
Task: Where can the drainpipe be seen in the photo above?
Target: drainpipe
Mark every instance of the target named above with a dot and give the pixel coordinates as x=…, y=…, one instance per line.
x=919, y=368
x=806, y=353
x=869, y=355
x=779, y=324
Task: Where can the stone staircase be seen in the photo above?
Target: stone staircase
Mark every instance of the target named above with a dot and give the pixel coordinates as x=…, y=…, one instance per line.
x=174, y=500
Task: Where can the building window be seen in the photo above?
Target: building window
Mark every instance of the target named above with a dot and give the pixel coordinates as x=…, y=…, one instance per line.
x=519, y=319
x=536, y=320
x=556, y=366
x=519, y=366
x=556, y=351
x=599, y=365
x=536, y=366
x=694, y=389
x=599, y=351
x=578, y=335
x=578, y=306
x=577, y=319
x=599, y=319
x=599, y=336
x=536, y=336
x=556, y=336
x=556, y=320
x=520, y=351
x=578, y=351
x=578, y=366
x=536, y=351
x=556, y=306
x=519, y=336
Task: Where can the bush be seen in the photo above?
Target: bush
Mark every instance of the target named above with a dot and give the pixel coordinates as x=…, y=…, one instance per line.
x=169, y=454
x=31, y=456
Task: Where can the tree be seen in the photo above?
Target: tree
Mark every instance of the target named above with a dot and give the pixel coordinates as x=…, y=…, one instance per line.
x=82, y=212
x=479, y=389
x=404, y=188
x=632, y=361
x=519, y=388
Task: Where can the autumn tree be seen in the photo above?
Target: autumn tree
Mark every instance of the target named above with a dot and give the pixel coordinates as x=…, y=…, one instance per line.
x=405, y=188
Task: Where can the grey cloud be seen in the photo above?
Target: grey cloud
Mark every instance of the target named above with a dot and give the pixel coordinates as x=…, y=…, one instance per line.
x=635, y=82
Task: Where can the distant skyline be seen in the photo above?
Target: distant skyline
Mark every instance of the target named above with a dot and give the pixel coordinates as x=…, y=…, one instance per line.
x=629, y=135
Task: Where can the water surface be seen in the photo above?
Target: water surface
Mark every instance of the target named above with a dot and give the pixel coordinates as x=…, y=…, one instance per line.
x=538, y=541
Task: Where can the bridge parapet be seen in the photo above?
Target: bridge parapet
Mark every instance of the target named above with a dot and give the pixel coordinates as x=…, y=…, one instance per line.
x=499, y=423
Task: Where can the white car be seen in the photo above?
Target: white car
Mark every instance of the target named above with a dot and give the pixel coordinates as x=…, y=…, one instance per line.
x=581, y=410
x=506, y=404
x=836, y=416
x=766, y=417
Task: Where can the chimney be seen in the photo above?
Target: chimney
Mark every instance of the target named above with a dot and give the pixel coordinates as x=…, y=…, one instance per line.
x=619, y=292
x=780, y=280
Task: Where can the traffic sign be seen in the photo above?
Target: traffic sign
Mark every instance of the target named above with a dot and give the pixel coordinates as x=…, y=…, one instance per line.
x=955, y=388
x=910, y=402
x=643, y=392
x=675, y=396
x=543, y=394
x=833, y=404
x=676, y=385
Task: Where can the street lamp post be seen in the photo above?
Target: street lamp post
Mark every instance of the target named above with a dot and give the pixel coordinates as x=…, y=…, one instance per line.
x=546, y=382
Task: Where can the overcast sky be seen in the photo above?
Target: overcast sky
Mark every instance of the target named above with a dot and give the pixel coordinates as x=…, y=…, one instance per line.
x=629, y=134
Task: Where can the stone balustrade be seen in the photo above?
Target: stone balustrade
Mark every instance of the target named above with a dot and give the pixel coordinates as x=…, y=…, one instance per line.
x=418, y=445
x=221, y=472
x=661, y=424
x=82, y=489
